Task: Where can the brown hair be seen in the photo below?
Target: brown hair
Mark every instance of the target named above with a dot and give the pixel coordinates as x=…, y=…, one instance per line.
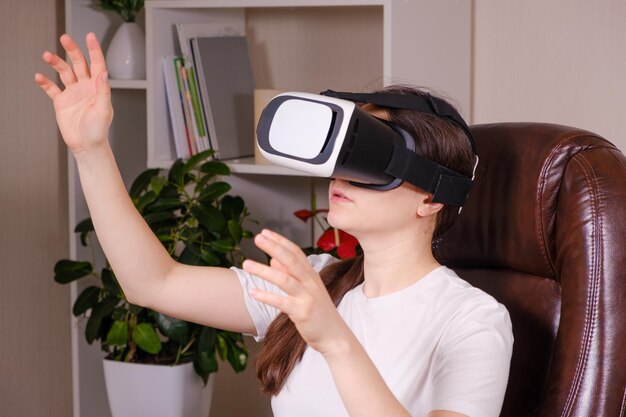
x=283, y=346
x=437, y=139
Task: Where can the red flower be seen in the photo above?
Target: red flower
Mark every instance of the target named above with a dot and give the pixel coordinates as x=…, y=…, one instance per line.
x=305, y=215
x=344, y=242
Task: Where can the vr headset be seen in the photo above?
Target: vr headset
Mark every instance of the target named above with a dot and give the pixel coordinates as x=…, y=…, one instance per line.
x=328, y=135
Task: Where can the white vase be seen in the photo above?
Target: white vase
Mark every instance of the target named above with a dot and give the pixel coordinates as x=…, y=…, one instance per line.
x=140, y=390
x=126, y=55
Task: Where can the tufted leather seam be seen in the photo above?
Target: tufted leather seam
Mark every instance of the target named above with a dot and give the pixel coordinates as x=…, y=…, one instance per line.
x=593, y=288
x=620, y=160
x=623, y=408
x=541, y=235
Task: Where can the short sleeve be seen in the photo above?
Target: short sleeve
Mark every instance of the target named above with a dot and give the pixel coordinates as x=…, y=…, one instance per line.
x=471, y=368
x=262, y=314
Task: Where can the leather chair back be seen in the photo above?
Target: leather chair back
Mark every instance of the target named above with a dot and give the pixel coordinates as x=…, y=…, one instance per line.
x=544, y=232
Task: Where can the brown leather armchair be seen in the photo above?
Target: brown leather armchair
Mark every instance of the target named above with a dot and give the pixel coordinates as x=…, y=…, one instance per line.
x=544, y=232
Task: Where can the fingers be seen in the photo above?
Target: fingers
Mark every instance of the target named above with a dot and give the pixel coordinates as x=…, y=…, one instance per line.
x=76, y=56
x=60, y=66
x=289, y=256
x=98, y=64
x=275, y=300
x=277, y=277
x=48, y=86
x=281, y=240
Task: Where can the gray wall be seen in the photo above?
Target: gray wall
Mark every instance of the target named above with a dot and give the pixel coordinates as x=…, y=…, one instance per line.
x=35, y=359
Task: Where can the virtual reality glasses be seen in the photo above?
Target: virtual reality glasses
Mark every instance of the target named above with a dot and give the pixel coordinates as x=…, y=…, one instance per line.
x=328, y=135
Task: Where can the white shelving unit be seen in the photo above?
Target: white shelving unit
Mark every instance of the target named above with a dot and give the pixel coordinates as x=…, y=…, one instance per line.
x=301, y=45
x=128, y=84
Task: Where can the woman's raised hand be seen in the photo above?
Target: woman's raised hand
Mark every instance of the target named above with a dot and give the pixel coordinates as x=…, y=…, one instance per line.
x=83, y=109
x=307, y=302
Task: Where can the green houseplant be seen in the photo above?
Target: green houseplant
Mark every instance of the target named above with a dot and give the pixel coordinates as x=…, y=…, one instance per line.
x=191, y=213
x=127, y=9
x=126, y=53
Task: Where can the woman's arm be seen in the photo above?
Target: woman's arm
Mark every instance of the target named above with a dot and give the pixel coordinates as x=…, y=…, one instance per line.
x=361, y=387
x=144, y=269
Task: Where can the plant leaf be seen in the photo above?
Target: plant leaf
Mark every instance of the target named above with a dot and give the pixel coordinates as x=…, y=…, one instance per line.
x=109, y=282
x=140, y=184
x=205, y=363
x=206, y=339
x=222, y=246
x=118, y=335
x=188, y=257
x=193, y=162
x=101, y=310
x=119, y=313
x=85, y=227
x=134, y=308
x=177, y=173
x=209, y=217
x=213, y=191
x=145, y=200
x=237, y=357
x=147, y=338
x=222, y=348
x=86, y=300
x=66, y=271
x=232, y=207
x=166, y=203
x=157, y=184
x=215, y=168
x=177, y=330
x=209, y=258
x=152, y=218
x=235, y=229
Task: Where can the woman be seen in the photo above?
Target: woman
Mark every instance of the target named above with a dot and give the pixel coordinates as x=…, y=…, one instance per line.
x=390, y=333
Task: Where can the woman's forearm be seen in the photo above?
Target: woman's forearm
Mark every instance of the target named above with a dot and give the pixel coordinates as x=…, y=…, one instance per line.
x=137, y=257
x=360, y=385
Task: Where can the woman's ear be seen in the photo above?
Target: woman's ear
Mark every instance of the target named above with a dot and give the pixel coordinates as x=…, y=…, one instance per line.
x=427, y=208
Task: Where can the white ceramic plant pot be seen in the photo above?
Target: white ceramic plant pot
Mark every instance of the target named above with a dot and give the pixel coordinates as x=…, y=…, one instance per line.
x=139, y=390
x=126, y=55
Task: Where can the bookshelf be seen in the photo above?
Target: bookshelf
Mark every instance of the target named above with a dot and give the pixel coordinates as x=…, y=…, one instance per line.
x=301, y=45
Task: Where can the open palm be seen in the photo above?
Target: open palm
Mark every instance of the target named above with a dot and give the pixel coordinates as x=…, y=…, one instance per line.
x=83, y=109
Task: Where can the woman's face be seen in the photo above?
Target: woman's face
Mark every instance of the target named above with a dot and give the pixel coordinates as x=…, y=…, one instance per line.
x=360, y=210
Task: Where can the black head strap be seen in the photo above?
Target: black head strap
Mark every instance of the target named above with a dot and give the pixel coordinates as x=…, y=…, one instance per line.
x=423, y=104
x=446, y=186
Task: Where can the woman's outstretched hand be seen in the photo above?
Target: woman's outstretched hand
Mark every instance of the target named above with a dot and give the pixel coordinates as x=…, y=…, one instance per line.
x=83, y=109
x=307, y=302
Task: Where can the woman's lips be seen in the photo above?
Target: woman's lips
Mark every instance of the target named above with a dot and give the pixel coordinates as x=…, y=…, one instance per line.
x=338, y=196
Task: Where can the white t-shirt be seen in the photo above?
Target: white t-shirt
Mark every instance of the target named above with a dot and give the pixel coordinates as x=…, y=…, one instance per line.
x=439, y=344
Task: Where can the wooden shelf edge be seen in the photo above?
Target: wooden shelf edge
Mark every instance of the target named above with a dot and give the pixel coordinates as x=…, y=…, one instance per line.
x=258, y=3
x=128, y=84
x=243, y=166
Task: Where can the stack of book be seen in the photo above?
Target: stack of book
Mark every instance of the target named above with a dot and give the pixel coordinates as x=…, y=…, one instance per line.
x=210, y=91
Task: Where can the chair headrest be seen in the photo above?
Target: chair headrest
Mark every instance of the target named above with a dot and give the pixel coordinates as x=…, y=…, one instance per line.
x=508, y=220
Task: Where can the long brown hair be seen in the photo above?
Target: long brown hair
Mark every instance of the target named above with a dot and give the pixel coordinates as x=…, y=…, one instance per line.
x=436, y=139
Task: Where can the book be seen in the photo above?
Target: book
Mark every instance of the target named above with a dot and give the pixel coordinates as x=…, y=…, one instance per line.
x=195, y=125
x=226, y=84
x=185, y=32
x=188, y=31
x=175, y=106
x=191, y=139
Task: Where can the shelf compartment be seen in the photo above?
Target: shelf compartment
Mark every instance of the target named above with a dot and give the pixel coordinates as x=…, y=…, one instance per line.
x=128, y=84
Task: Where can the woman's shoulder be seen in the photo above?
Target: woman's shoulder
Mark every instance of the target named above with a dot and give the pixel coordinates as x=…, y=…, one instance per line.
x=319, y=261
x=466, y=300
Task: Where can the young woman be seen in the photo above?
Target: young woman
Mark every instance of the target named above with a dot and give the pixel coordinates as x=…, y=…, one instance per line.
x=389, y=333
